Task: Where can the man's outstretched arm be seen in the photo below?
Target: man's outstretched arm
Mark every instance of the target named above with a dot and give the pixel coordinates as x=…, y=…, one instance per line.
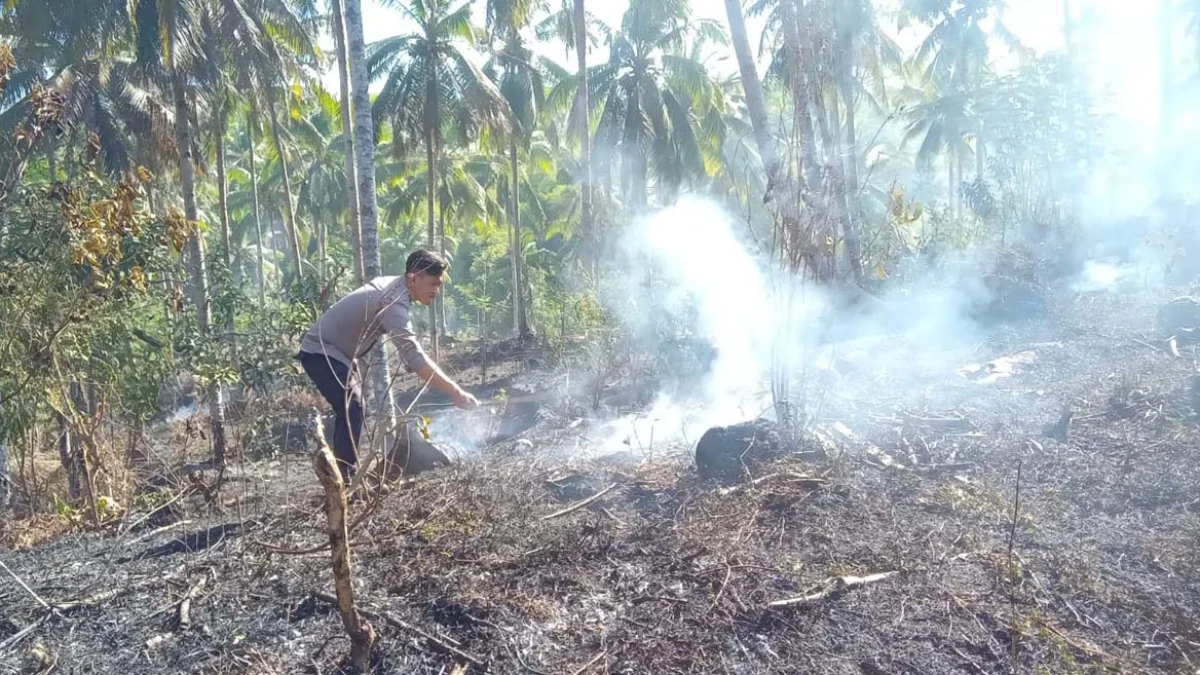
x=399, y=326
x=429, y=371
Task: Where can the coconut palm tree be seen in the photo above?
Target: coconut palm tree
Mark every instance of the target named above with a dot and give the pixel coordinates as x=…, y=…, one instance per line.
x=521, y=77
x=166, y=43
x=755, y=102
x=338, y=28
x=652, y=97
x=433, y=91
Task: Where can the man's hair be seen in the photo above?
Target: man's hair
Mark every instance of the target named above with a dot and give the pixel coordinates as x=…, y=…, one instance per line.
x=425, y=261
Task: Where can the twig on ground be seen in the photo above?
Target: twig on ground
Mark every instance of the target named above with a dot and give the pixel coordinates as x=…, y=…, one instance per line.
x=183, y=616
x=1012, y=574
x=591, y=663
x=790, y=475
x=970, y=662
x=151, y=533
x=12, y=641
x=444, y=643
x=320, y=548
x=579, y=505
x=29, y=590
x=832, y=586
x=728, y=574
x=182, y=493
x=106, y=596
x=517, y=653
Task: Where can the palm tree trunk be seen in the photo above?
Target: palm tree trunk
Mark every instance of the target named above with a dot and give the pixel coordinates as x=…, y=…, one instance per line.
x=793, y=43
x=585, y=140
x=355, y=226
x=520, y=312
x=219, y=124
x=364, y=150
x=950, y=183
x=364, y=137
x=5, y=474
x=196, y=269
x=258, y=231
x=431, y=106
x=853, y=203
x=755, y=103
x=293, y=235
x=979, y=153
x=443, y=209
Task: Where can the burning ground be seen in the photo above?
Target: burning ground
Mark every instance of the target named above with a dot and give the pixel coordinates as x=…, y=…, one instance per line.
x=890, y=531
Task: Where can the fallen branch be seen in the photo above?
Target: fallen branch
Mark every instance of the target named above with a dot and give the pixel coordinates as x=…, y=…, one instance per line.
x=832, y=586
x=953, y=467
x=591, y=663
x=101, y=598
x=579, y=505
x=182, y=493
x=183, y=616
x=871, y=449
x=362, y=635
x=29, y=590
x=448, y=644
x=156, y=641
x=797, y=478
x=21, y=635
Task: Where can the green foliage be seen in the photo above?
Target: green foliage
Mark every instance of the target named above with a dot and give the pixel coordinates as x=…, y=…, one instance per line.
x=77, y=263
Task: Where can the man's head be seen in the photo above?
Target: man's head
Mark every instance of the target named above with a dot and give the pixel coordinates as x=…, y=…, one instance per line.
x=423, y=271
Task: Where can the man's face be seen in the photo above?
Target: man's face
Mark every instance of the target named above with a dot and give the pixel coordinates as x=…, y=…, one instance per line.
x=424, y=287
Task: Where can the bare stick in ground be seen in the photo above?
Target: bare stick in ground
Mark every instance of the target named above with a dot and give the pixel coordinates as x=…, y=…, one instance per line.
x=1012, y=572
x=362, y=636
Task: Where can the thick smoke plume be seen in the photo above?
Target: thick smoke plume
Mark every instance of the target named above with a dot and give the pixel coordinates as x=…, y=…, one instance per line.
x=689, y=268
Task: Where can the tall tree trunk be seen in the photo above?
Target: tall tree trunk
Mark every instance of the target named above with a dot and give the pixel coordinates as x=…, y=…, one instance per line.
x=979, y=153
x=219, y=123
x=431, y=121
x=195, y=249
x=443, y=209
x=950, y=183
x=755, y=103
x=5, y=471
x=364, y=149
x=293, y=235
x=520, y=311
x=258, y=230
x=69, y=458
x=794, y=47
x=853, y=203
x=583, y=98
x=354, y=226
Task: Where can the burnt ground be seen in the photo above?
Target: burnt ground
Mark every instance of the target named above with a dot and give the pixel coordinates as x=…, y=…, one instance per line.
x=664, y=573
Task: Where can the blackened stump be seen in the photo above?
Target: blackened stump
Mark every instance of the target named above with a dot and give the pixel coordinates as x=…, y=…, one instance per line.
x=1180, y=319
x=726, y=452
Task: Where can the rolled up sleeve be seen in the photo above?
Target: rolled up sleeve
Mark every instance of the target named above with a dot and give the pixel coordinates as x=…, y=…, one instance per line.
x=399, y=327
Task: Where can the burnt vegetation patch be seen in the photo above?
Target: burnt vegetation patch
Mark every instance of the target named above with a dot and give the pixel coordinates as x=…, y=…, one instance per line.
x=955, y=536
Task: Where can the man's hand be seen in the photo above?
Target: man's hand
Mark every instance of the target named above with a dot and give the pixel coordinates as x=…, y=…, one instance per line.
x=465, y=400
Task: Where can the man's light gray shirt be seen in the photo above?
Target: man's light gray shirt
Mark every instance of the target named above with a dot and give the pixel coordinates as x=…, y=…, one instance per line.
x=350, y=328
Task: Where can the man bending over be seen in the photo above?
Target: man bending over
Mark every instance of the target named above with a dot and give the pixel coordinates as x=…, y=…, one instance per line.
x=349, y=329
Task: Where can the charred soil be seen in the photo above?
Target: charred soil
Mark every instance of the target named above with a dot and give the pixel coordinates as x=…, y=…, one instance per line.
x=1037, y=511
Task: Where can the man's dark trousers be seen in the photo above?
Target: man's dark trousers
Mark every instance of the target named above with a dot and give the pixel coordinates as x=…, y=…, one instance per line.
x=333, y=380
